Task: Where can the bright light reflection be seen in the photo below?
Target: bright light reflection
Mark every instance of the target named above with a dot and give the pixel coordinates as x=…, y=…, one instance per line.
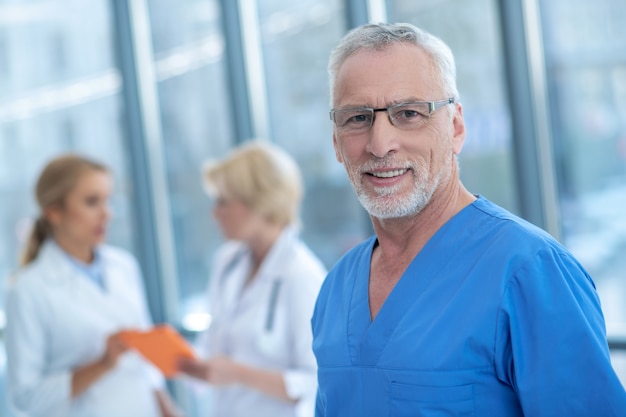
x=196, y=322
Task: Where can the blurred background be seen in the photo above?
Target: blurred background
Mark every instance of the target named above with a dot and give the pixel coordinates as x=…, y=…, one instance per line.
x=155, y=87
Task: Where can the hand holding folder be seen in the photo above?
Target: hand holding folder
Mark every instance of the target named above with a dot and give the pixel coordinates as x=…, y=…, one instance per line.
x=162, y=345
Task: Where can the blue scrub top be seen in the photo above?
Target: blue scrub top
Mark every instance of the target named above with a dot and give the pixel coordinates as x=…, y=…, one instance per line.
x=492, y=318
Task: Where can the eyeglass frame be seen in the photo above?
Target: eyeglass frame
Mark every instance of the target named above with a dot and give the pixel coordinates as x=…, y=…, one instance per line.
x=432, y=107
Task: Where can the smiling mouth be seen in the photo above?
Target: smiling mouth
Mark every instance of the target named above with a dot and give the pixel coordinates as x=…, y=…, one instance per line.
x=389, y=174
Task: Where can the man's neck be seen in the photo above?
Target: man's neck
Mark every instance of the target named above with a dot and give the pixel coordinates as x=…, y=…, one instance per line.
x=404, y=237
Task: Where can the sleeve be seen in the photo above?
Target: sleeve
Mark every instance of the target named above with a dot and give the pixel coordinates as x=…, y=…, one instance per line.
x=551, y=345
x=32, y=388
x=301, y=378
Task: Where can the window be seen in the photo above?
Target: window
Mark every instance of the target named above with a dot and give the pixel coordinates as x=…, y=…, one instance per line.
x=4, y=61
x=585, y=48
x=189, y=64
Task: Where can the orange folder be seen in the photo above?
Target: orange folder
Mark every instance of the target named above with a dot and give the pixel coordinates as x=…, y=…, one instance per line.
x=162, y=345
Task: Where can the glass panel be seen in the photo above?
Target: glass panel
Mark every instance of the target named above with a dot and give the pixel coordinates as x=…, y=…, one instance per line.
x=189, y=64
x=59, y=92
x=297, y=38
x=585, y=47
x=190, y=68
x=471, y=29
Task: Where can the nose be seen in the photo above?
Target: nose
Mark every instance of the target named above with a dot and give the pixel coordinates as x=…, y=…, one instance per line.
x=382, y=136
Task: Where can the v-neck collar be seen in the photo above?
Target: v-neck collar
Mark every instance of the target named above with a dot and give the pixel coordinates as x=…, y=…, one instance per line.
x=368, y=338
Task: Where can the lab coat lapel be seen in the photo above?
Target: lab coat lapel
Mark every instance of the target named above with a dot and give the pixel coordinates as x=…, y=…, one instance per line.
x=62, y=273
x=80, y=288
x=274, y=263
x=118, y=296
x=272, y=268
x=59, y=269
x=231, y=285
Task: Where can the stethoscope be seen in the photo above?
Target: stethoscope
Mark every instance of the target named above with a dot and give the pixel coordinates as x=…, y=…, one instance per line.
x=267, y=341
x=271, y=308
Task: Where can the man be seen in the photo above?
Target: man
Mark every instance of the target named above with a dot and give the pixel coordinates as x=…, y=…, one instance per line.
x=455, y=307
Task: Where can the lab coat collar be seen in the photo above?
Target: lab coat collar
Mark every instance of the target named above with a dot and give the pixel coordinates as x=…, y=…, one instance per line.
x=276, y=259
x=94, y=270
x=60, y=268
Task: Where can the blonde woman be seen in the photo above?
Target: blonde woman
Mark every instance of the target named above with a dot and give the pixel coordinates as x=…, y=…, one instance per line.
x=67, y=303
x=262, y=290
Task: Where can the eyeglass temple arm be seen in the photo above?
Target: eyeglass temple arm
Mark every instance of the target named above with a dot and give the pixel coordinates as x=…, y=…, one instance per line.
x=434, y=105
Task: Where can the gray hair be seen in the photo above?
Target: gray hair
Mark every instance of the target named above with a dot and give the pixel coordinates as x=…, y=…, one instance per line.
x=378, y=37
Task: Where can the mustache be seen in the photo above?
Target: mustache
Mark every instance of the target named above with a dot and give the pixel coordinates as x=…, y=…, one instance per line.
x=385, y=163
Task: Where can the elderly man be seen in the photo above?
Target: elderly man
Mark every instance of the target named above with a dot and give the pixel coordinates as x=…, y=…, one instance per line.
x=455, y=307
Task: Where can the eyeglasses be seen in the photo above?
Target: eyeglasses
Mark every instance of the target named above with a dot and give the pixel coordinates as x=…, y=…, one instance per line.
x=405, y=116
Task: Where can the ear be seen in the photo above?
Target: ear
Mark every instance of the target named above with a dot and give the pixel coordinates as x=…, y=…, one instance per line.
x=336, y=146
x=458, y=126
x=53, y=214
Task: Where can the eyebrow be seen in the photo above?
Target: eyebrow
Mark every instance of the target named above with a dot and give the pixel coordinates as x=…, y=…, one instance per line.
x=388, y=104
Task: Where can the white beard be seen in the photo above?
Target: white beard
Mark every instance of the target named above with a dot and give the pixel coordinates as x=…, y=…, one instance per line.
x=389, y=202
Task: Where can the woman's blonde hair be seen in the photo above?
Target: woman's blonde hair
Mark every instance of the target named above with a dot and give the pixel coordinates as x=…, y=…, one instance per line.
x=55, y=182
x=262, y=176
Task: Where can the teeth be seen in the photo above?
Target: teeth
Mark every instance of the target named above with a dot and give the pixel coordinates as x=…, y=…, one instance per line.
x=389, y=174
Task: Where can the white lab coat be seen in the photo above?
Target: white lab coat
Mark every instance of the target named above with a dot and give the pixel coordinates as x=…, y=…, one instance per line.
x=265, y=324
x=58, y=320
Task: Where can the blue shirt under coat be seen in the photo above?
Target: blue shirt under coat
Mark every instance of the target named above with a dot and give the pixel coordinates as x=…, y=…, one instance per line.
x=92, y=270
